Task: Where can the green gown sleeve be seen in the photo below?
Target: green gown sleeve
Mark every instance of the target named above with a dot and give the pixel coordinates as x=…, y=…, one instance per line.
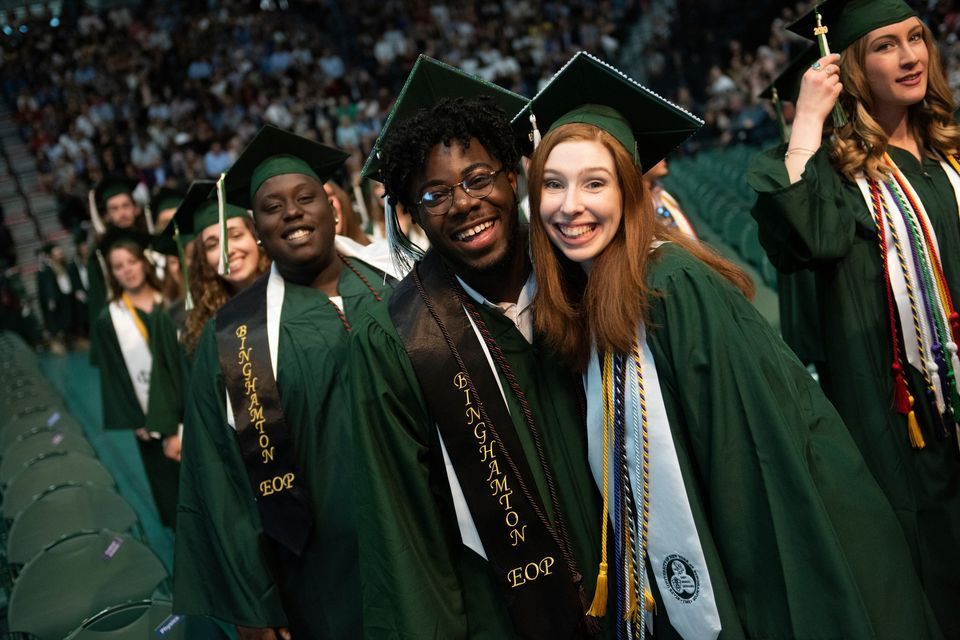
x=220, y=568
x=46, y=296
x=410, y=589
x=96, y=298
x=165, y=407
x=804, y=224
x=808, y=543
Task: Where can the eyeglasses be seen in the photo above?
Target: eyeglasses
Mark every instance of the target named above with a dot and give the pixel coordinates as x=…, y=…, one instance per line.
x=438, y=199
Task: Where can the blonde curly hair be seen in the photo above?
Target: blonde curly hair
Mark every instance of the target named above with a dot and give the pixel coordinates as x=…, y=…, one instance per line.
x=209, y=290
x=858, y=147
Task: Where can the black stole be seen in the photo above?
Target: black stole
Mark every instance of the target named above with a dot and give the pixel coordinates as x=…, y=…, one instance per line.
x=536, y=582
x=263, y=434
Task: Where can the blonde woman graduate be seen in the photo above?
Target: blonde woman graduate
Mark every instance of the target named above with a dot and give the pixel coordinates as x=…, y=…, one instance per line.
x=865, y=196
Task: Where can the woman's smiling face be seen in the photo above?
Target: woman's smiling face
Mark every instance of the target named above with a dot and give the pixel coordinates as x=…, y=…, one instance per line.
x=581, y=205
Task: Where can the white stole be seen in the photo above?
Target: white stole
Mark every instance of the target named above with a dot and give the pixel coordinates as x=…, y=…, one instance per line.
x=63, y=282
x=673, y=543
x=135, y=350
x=276, y=286
x=899, y=279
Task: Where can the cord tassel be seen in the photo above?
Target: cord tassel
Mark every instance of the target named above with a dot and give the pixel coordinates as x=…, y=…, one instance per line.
x=535, y=134
x=598, y=608
x=223, y=264
x=902, y=401
x=913, y=429
x=95, y=218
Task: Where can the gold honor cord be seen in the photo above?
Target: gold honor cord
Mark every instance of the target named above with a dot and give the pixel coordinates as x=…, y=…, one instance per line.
x=128, y=303
x=598, y=608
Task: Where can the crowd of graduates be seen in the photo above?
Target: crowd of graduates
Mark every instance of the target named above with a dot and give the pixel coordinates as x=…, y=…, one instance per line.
x=532, y=403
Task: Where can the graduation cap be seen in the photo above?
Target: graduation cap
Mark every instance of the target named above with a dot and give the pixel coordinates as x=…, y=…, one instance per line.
x=79, y=235
x=166, y=198
x=429, y=82
x=198, y=209
x=104, y=190
x=272, y=152
x=115, y=236
x=591, y=91
x=844, y=22
x=786, y=86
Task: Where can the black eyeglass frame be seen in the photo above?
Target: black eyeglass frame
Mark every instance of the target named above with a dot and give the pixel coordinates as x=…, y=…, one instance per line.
x=448, y=199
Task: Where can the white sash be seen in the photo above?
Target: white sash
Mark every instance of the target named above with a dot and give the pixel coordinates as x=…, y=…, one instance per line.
x=63, y=282
x=135, y=350
x=82, y=272
x=673, y=544
x=276, y=286
x=899, y=278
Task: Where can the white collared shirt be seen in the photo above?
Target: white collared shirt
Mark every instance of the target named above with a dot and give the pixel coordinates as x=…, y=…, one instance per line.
x=519, y=312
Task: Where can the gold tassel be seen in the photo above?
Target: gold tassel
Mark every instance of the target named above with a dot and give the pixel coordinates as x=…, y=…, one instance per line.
x=913, y=428
x=598, y=608
x=633, y=611
x=650, y=603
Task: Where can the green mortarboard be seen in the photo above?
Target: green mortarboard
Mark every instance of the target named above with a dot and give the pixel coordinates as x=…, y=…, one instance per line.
x=112, y=186
x=273, y=152
x=591, y=91
x=429, y=82
x=115, y=235
x=80, y=236
x=166, y=198
x=199, y=210
x=787, y=84
x=849, y=20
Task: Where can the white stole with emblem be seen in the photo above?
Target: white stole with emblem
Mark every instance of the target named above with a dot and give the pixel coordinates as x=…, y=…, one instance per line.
x=135, y=351
x=673, y=543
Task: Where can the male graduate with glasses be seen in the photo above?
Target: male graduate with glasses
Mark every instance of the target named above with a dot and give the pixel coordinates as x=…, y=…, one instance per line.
x=476, y=509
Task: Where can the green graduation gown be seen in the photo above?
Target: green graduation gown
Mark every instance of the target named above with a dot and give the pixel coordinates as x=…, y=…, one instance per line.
x=80, y=309
x=57, y=306
x=223, y=565
x=419, y=580
x=822, y=223
x=121, y=410
x=799, y=540
x=96, y=295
